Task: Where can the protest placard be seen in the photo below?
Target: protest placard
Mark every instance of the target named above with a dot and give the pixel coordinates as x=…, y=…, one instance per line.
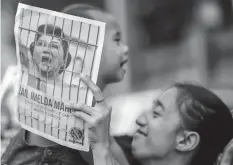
x=52, y=50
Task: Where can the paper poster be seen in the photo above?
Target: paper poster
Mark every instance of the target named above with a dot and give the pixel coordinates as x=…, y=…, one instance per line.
x=52, y=50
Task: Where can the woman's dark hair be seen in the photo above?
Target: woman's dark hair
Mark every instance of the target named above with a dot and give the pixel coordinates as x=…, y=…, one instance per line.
x=203, y=112
x=58, y=33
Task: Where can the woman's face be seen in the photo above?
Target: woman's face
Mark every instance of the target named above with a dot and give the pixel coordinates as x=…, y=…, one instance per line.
x=157, y=128
x=48, y=54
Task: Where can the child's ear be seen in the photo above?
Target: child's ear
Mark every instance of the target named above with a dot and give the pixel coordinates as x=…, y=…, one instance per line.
x=187, y=141
x=32, y=48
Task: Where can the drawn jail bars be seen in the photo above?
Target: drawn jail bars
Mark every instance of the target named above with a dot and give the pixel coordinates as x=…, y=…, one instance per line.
x=82, y=43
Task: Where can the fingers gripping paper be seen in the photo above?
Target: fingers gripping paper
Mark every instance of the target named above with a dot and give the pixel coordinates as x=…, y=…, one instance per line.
x=52, y=50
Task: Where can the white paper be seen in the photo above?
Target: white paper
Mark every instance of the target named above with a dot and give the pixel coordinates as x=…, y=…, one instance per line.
x=52, y=50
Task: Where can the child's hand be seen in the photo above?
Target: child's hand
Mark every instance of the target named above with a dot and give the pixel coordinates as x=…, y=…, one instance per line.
x=97, y=117
x=227, y=156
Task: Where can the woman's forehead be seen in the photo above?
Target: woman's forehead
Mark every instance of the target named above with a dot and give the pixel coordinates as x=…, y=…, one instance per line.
x=168, y=97
x=48, y=38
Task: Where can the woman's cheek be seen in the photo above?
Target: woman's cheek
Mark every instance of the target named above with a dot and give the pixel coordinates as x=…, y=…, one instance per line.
x=37, y=56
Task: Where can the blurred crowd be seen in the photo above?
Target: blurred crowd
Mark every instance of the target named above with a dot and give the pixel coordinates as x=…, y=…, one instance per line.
x=182, y=40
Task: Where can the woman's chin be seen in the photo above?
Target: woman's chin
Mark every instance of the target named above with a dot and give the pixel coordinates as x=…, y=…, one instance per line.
x=49, y=73
x=44, y=68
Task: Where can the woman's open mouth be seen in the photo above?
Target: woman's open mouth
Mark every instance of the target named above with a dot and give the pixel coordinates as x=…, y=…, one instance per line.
x=46, y=59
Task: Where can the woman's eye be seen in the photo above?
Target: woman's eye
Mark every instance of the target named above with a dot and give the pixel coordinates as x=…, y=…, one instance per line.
x=155, y=114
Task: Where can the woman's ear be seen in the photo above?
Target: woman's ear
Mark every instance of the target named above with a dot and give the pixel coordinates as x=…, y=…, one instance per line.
x=32, y=48
x=187, y=141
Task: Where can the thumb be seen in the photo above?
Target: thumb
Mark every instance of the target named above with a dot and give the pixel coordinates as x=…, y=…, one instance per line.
x=108, y=120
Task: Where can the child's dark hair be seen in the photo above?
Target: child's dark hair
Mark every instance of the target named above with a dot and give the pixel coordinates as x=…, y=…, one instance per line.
x=81, y=10
x=203, y=112
x=56, y=32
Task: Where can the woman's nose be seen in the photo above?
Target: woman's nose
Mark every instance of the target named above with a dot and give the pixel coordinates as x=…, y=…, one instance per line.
x=46, y=48
x=141, y=120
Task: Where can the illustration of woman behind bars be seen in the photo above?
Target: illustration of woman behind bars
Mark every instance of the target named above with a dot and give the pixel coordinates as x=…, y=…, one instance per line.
x=50, y=54
x=48, y=60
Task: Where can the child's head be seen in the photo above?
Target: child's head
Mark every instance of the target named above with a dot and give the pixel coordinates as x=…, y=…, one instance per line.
x=50, y=53
x=114, y=54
